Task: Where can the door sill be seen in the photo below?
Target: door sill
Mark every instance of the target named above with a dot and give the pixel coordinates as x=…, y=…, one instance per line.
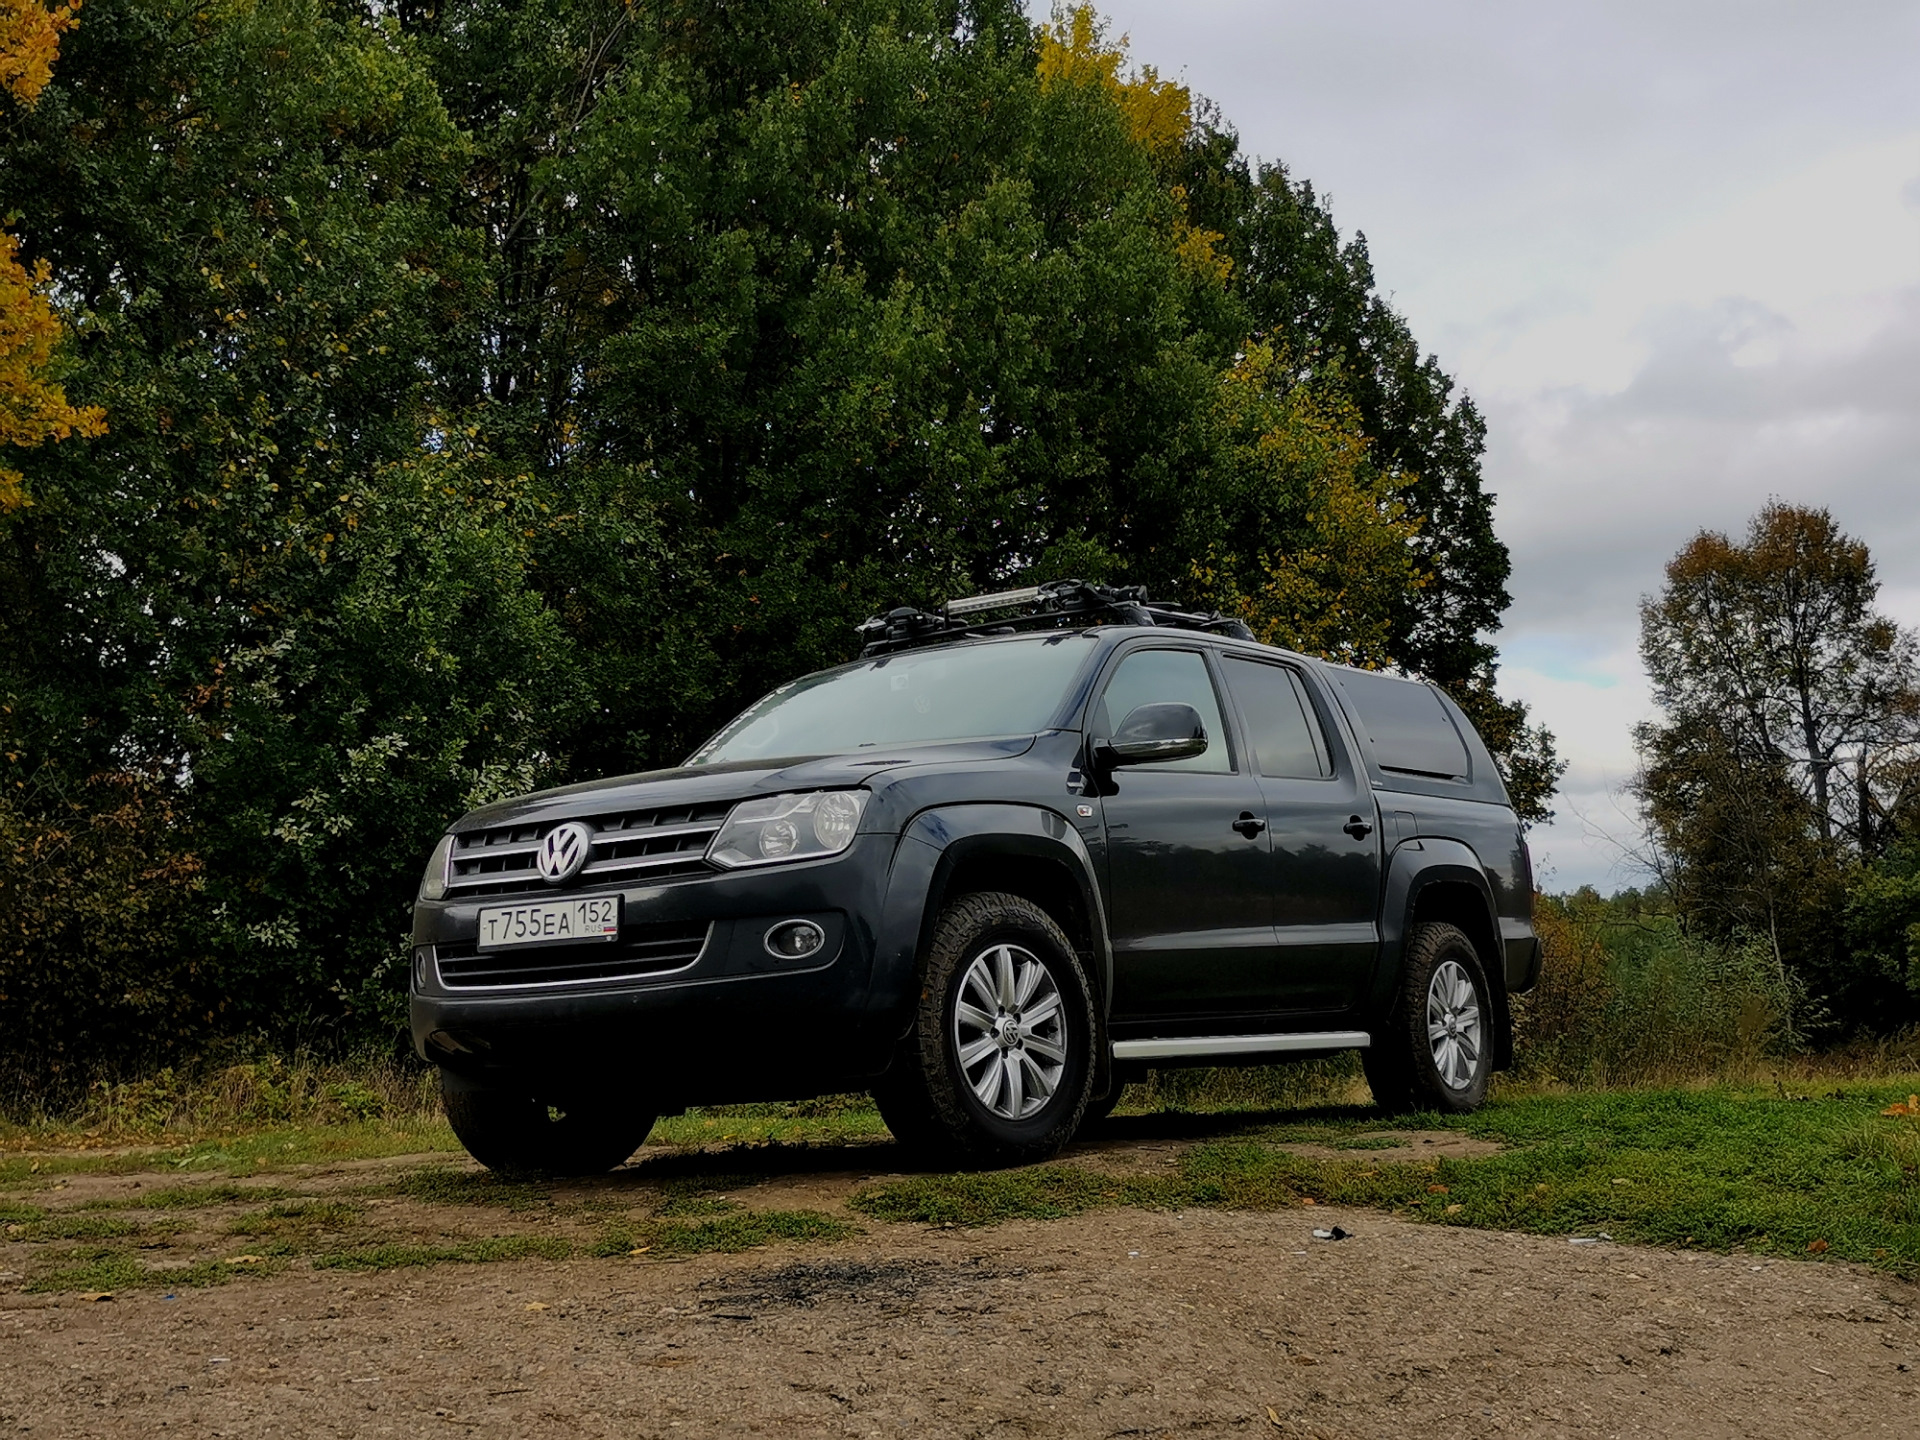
x=1200, y=1046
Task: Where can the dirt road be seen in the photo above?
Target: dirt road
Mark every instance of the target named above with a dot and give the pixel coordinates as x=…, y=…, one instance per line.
x=1116, y=1323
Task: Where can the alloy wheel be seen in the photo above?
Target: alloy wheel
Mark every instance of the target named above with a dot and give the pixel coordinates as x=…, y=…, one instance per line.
x=1010, y=1031
x=1453, y=1024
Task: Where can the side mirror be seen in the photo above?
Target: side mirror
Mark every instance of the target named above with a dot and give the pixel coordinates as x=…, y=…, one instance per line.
x=1156, y=734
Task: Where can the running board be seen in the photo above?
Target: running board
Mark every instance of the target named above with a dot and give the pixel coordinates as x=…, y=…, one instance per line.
x=1199, y=1047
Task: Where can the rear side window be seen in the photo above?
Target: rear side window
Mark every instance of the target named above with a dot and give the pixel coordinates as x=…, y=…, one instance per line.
x=1150, y=677
x=1281, y=726
x=1411, y=731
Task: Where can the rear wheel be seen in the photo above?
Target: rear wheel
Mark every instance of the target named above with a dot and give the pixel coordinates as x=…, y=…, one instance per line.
x=1435, y=1051
x=511, y=1129
x=998, y=1064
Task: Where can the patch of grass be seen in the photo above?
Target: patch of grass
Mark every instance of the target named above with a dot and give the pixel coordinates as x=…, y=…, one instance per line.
x=297, y=1218
x=1239, y=1175
x=441, y=1185
x=469, y=1252
x=1712, y=1169
x=253, y=1153
x=731, y=1232
x=194, y=1197
x=69, y=1225
x=113, y=1268
x=828, y=1119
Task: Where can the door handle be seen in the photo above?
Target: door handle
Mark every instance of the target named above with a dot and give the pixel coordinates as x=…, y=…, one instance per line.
x=1249, y=824
x=1356, y=827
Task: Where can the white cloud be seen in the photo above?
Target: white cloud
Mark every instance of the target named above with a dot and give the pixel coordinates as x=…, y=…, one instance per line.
x=1672, y=251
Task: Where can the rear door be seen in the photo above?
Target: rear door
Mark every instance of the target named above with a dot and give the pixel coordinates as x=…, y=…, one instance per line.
x=1189, y=869
x=1325, y=842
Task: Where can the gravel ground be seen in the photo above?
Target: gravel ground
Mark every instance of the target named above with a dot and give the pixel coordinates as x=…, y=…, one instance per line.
x=1119, y=1323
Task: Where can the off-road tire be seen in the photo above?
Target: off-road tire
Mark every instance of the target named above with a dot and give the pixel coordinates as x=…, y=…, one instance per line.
x=513, y=1131
x=927, y=1091
x=1400, y=1064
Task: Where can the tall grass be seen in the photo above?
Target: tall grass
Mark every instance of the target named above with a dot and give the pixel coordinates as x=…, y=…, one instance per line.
x=190, y=1102
x=1626, y=998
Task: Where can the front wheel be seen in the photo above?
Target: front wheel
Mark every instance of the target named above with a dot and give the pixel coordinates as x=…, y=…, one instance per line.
x=999, y=1061
x=512, y=1130
x=1435, y=1051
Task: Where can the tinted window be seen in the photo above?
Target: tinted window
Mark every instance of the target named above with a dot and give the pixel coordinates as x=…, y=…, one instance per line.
x=1410, y=729
x=971, y=692
x=1150, y=677
x=1281, y=728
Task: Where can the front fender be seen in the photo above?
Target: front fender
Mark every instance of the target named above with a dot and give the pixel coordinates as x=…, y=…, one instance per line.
x=935, y=845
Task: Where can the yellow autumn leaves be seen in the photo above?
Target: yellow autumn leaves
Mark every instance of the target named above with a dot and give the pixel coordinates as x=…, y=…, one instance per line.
x=33, y=408
x=1158, y=114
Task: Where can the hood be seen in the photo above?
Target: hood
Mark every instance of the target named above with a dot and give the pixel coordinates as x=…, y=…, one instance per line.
x=700, y=784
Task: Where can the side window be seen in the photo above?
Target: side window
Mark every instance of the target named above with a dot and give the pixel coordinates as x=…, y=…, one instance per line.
x=1282, y=729
x=1149, y=677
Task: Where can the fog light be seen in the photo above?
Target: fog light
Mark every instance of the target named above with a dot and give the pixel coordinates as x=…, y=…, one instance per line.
x=794, y=939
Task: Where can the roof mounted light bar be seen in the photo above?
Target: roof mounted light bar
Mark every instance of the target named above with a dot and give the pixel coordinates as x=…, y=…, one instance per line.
x=1057, y=605
x=998, y=600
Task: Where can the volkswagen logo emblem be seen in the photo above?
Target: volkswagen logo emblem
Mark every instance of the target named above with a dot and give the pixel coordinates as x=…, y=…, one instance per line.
x=564, y=851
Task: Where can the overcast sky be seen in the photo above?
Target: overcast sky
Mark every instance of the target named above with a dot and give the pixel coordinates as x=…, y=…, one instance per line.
x=1671, y=249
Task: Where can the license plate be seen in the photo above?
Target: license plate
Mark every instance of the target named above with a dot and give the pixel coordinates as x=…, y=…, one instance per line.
x=549, y=922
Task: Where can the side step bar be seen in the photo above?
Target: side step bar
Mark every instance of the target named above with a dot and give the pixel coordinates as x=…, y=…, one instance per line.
x=1200, y=1047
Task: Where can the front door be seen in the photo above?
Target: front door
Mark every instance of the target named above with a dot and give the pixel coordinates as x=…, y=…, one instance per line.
x=1189, y=868
x=1325, y=866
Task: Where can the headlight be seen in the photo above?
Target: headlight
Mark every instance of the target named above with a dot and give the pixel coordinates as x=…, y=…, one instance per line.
x=788, y=827
x=433, y=885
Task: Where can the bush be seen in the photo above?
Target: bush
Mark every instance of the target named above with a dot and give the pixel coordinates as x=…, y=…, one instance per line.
x=98, y=926
x=1625, y=997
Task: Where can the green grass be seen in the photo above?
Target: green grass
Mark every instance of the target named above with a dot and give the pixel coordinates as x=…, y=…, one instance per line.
x=1759, y=1170
x=831, y=1119
x=297, y=1218
x=732, y=1231
x=112, y=1268
x=1755, y=1171
x=255, y=1152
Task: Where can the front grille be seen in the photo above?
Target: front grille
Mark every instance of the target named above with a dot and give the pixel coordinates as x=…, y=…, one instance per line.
x=633, y=845
x=641, y=950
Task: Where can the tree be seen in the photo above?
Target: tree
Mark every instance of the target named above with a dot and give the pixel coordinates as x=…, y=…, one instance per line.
x=288, y=595
x=510, y=390
x=33, y=408
x=1776, y=674
x=1776, y=642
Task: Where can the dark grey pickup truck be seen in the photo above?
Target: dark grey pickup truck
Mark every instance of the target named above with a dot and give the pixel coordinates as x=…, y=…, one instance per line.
x=1022, y=849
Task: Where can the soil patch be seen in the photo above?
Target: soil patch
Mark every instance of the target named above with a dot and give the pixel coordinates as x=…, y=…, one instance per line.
x=1116, y=1323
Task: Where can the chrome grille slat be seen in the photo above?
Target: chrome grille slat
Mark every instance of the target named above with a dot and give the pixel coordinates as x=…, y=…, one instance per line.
x=642, y=862
x=659, y=843
x=641, y=951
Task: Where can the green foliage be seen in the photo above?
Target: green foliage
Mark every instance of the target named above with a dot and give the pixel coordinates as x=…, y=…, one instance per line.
x=1626, y=997
x=1883, y=920
x=500, y=394
x=1782, y=765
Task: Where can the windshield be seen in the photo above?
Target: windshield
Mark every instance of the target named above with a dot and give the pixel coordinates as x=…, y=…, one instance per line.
x=970, y=692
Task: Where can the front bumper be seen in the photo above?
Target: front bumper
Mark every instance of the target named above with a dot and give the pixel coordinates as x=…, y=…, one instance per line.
x=733, y=1022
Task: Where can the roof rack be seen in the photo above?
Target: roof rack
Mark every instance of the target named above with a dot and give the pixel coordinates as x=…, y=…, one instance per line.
x=1057, y=605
